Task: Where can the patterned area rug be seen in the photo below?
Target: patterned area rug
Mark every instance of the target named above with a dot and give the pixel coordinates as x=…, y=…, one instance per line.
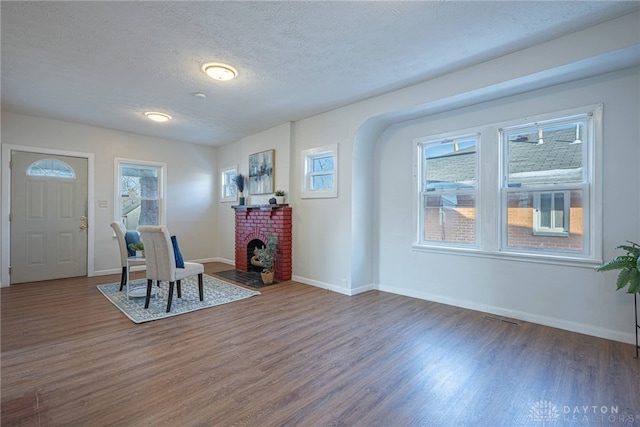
x=216, y=292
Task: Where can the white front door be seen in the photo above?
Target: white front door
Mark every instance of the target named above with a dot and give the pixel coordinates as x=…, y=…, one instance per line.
x=48, y=216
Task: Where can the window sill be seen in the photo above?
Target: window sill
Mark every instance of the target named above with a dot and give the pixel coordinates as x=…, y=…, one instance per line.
x=512, y=256
x=551, y=233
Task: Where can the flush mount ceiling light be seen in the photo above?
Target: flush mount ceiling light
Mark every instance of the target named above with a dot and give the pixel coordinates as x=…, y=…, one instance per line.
x=157, y=117
x=221, y=72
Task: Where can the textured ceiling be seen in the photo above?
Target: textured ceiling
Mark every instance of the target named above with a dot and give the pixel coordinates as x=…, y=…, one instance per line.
x=105, y=63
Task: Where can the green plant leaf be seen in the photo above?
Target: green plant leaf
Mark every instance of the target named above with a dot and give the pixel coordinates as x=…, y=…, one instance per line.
x=634, y=282
x=618, y=263
x=632, y=250
x=629, y=266
x=623, y=278
x=634, y=288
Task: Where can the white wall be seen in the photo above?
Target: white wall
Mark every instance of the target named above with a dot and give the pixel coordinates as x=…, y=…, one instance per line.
x=572, y=297
x=334, y=239
x=237, y=154
x=190, y=171
x=362, y=239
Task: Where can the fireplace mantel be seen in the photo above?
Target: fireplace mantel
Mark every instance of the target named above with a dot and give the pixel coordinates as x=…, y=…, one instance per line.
x=258, y=207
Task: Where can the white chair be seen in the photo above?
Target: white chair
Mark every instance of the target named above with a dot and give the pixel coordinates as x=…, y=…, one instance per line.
x=122, y=243
x=161, y=263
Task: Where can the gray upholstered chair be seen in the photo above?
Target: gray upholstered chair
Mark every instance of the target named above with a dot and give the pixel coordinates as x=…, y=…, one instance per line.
x=120, y=234
x=161, y=263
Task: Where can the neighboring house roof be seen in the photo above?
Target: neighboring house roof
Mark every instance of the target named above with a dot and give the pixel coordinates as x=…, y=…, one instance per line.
x=558, y=159
x=449, y=170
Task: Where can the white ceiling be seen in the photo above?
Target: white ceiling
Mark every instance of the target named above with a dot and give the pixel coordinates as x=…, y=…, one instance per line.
x=105, y=63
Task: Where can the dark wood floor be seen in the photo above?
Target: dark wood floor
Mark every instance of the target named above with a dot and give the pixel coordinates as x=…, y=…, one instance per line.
x=299, y=355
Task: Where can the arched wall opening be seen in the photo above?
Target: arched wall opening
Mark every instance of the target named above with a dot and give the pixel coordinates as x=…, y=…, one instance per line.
x=363, y=236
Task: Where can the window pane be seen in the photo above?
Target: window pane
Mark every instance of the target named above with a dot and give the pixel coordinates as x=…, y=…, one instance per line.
x=139, y=181
x=229, y=186
x=139, y=195
x=137, y=212
x=546, y=155
x=450, y=218
x=322, y=163
x=321, y=182
x=230, y=190
x=51, y=167
x=521, y=217
x=450, y=165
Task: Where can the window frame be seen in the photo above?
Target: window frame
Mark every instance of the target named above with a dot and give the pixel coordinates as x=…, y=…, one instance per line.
x=162, y=187
x=230, y=171
x=589, y=186
x=491, y=232
x=424, y=193
x=308, y=156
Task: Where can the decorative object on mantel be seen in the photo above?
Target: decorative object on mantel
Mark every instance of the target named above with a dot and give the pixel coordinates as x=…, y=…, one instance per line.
x=261, y=172
x=273, y=201
x=629, y=266
x=265, y=257
x=279, y=194
x=240, y=181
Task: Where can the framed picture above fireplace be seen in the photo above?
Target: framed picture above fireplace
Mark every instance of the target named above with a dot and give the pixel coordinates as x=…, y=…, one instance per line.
x=261, y=172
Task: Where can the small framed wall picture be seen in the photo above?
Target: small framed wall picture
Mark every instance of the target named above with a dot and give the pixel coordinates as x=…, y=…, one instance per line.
x=261, y=169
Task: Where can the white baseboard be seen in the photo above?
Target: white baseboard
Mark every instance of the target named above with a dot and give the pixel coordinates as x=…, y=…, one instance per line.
x=514, y=314
x=333, y=288
x=117, y=270
x=106, y=272
x=205, y=260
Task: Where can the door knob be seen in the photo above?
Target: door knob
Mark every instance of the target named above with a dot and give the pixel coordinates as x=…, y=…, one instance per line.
x=83, y=226
x=83, y=218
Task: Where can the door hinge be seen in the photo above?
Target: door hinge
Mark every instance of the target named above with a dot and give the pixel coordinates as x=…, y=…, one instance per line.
x=9, y=217
x=9, y=269
x=10, y=164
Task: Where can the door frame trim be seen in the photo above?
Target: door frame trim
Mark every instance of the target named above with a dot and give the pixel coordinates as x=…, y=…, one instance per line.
x=5, y=226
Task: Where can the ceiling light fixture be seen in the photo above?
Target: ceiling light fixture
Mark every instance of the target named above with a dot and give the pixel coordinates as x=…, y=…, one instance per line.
x=157, y=117
x=221, y=72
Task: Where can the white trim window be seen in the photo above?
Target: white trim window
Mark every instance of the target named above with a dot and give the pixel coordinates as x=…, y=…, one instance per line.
x=448, y=193
x=543, y=203
x=320, y=172
x=228, y=189
x=140, y=193
x=547, y=186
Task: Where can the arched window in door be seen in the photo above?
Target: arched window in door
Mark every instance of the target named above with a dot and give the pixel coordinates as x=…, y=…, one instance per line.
x=51, y=167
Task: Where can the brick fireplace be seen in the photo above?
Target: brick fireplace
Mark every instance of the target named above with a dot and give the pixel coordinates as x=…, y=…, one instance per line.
x=252, y=225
